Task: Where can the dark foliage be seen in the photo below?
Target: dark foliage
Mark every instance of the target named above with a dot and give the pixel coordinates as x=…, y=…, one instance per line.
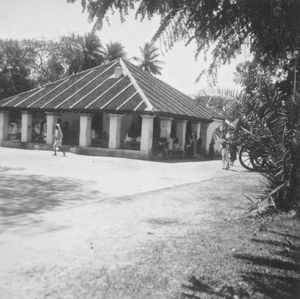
x=113, y=51
x=271, y=110
x=30, y=63
x=81, y=52
x=14, y=69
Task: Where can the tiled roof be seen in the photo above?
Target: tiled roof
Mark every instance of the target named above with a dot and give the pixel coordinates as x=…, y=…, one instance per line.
x=98, y=89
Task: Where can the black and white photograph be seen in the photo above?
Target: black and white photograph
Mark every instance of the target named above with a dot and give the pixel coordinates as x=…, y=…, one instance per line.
x=149, y=149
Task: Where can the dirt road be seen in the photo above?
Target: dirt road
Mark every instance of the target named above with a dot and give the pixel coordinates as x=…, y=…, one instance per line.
x=98, y=227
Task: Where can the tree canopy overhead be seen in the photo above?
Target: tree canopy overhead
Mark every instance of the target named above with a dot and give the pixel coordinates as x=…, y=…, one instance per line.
x=269, y=27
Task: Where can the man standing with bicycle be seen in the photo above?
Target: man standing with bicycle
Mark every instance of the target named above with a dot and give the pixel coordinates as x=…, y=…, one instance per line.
x=224, y=142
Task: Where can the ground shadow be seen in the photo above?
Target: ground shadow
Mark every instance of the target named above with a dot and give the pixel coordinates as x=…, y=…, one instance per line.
x=196, y=288
x=285, y=235
x=277, y=243
x=238, y=170
x=183, y=159
x=22, y=194
x=4, y=169
x=273, y=286
x=273, y=274
x=266, y=261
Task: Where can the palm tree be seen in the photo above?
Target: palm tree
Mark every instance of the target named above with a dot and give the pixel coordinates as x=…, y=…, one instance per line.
x=92, y=50
x=113, y=50
x=148, y=61
x=224, y=101
x=81, y=52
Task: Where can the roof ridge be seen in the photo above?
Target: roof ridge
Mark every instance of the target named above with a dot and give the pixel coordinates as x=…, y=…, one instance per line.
x=173, y=91
x=161, y=81
x=136, y=85
x=188, y=97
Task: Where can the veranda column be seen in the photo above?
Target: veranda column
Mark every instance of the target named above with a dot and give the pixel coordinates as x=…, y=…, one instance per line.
x=203, y=135
x=3, y=126
x=51, y=122
x=165, y=126
x=147, y=133
x=114, y=130
x=85, y=129
x=181, y=132
x=26, y=126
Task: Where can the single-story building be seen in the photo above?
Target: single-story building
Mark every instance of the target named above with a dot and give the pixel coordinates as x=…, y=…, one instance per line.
x=113, y=109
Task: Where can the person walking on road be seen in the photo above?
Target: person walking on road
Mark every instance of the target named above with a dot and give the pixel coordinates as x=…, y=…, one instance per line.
x=58, y=140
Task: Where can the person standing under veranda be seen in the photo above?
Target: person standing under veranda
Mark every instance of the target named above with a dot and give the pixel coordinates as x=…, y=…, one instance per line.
x=58, y=140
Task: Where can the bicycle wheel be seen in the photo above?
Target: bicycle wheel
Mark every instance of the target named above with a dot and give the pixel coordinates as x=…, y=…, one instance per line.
x=245, y=158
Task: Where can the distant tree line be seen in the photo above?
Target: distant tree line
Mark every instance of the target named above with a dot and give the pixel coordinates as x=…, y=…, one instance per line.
x=29, y=63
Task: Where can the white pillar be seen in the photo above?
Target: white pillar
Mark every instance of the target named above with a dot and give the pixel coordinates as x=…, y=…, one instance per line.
x=3, y=126
x=85, y=129
x=203, y=135
x=51, y=122
x=26, y=126
x=196, y=127
x=147, y=133
x=181, y=132
x=114, y=130
x=165, y=126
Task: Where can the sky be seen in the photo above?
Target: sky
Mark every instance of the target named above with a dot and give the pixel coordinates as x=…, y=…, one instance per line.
x=50, y=19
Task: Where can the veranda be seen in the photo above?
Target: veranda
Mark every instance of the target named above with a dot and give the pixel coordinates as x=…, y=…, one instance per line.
x=115, y=109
